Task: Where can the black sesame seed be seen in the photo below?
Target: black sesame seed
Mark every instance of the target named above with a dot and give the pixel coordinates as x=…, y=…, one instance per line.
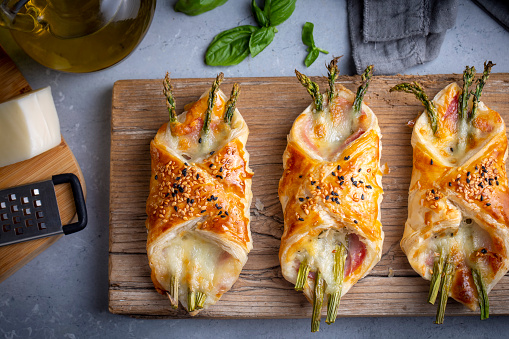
x=166, y=195
x=484, y=251
x=362, y=196
x=301, y=219
x=307, y=197
x=347, y=157
x=226, y=212
x=175, y=208
x=203, y=211
x=496, y=178
x=155, y=177
x=187, y=202
x=223, y=216
x=301, y=199
x=431, y=162
x=481, y=185
x=211, y=165
x=313, y=182
x=177, y=178
x=215, y=198
x=212, y=152
x=197, y=176
x=199, y=141
x=337, y=201
x=318, y=187
x=452, y=149
x=333, y=174
x=341, y=177
x=355, y=221
x=192, y=201
x=220, y=212
x=488, y=204
x=468, y=174
x=341, y=183
x=186, y=164
x=476, y=168
x=433, y=191
x=436, y=198
x=184, y=172
x=221, y=169
x=468, y=181
x=450, y=184
x=181, y=189
x=496, y=182
x=218, y=207
x=327, y=197
x=482, y=198
x=369, y=187
x=212, y=197
x=339, y=168
x=219, y=176
x=354, y=183
x=174, y=194
x=300, y=176
x=334, y=193
x=361, y=182
x=452, y=234
x=360, y=169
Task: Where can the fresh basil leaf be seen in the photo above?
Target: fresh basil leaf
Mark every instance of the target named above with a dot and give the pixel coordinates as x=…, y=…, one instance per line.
x=230, y=47
x=312, y=56
x=261, y=39
x=266, y=8
x=307, y=34
x=280, y=10
x=195, y=7
x=260, y=16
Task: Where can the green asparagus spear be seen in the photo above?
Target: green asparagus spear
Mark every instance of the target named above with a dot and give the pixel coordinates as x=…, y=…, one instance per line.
x=212, y=99
x=339, y=273
x=230, y=105
x=170, y=100
x=302, y=276
x=191, y=300
x=445, y=287
x=482, y=293
x=361, y=91
x=313, y=90
x=480, y=84
x=333, y=75
x=317, y=302
x=418, y=91
x=173, y=294
x=438, y=268
x=468, y=77
x=200, y=299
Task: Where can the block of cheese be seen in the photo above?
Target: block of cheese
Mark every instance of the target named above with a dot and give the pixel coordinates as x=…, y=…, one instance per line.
x=29, y=126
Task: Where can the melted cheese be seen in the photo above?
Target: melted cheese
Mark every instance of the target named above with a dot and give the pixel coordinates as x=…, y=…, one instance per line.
x=199, y=265
x=319, y=254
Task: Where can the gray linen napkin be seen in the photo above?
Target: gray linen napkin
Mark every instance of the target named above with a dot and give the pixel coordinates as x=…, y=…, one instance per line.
x=396, y=34
x=498, y=9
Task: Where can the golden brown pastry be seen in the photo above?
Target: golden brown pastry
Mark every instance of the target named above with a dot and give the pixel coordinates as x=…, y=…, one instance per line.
x=200, y=195
x=331, y=192
x=457, y=234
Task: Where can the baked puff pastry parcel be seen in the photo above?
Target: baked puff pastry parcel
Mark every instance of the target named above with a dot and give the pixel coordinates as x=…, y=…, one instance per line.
x=457, y=232
x=200, y=195
x=331, y=192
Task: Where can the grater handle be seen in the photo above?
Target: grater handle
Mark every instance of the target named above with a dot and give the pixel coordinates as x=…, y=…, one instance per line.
x=79, y=201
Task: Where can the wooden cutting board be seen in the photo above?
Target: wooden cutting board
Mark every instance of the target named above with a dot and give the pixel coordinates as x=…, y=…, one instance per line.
x=42, y=167
x=270, y=105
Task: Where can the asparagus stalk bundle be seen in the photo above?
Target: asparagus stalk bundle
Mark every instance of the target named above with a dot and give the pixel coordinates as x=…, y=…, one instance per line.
x=200, y=195
x=456, y=234
x=331, y=193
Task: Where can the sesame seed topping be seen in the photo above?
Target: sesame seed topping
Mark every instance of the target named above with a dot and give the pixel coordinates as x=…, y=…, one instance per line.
x=301, y=199
x=327, y=197
x=219, y=176
x=333, y=174
x=300, y=176
x=369, y=187
x=431, y=162
x=223, y=216
x=175, y=208
x=313, y=182
x=212, y=152
x=221, y=169
x=362, y=196
x=218, y=207
x=360, y=169
x=355, y=221
x=199, y=141
x=452, y=149
x=347, y=157
x=197, y=176
x=341, y=183
x=155, y=177
x=226, y=212
x=203, y=211
x=211, y=165
x=488, y=204
x=484, y=251
x=184, y=172
x=450, y=184
x=339, y=168
x=301, y=219
x=318, y=187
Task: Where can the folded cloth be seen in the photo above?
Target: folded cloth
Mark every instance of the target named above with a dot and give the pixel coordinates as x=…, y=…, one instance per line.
x=396, y=34
x=498, y=9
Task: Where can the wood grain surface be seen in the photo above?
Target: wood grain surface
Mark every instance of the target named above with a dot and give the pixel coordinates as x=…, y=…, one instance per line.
x=42, y=167
x=269, y=106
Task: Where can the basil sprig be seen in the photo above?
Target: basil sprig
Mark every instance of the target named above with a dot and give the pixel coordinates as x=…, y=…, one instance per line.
x=196, y=7
x=234, y=45
x=308, y=40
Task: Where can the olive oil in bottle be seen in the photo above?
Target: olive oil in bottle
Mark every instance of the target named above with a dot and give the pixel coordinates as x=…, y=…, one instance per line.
x=84, y=36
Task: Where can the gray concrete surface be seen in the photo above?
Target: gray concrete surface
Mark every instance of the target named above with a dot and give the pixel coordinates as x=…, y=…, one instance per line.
x=63, y=292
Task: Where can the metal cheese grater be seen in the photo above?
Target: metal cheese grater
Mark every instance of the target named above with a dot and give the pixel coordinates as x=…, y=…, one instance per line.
x=31, y=211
